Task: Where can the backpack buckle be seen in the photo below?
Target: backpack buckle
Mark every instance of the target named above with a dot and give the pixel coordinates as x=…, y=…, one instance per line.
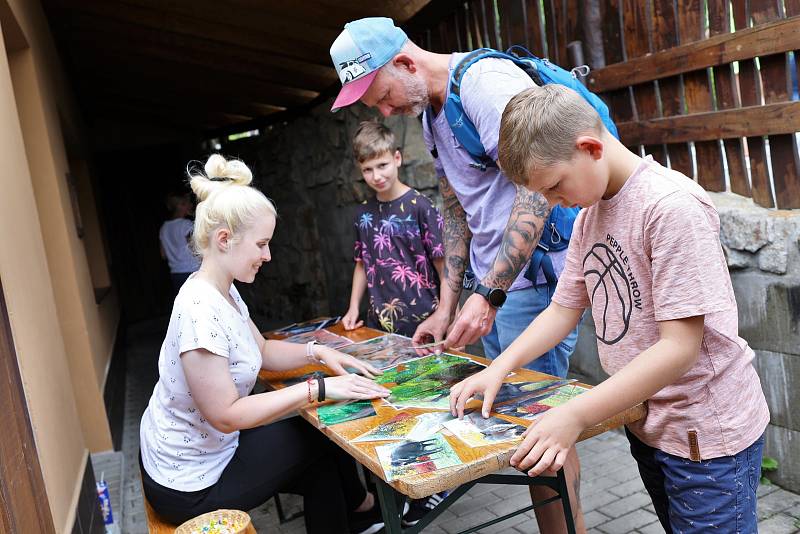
x=581, y=71
x=479, y=166
x=555, y=237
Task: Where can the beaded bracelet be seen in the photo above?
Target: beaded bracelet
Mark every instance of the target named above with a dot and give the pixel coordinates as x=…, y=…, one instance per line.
x=309, y=380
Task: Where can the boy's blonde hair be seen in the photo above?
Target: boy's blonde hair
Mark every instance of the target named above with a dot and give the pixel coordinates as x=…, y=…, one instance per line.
x=371, y=140
x=225, y=200
x=539, y=128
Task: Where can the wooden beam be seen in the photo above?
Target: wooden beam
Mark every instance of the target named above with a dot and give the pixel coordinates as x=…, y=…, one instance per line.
x=297, y=47
x=770, y=38
x=752, y=121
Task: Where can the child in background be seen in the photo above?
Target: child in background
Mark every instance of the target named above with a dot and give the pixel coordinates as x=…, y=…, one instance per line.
x=645, y=255
x=398, y=250
x=398, y=253
x=206, y=442
x=175, y=236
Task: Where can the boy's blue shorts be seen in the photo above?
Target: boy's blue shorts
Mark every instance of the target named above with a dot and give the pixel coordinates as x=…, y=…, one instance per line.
x=717, y=495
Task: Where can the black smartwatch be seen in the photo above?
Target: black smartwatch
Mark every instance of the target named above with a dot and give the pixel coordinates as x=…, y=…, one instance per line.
x=496, y=297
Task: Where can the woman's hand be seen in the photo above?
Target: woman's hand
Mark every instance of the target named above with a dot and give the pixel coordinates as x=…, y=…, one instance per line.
x=350, y=320
x=339, y=362
x=547, y=442
x=486, y=382
x=351, y=386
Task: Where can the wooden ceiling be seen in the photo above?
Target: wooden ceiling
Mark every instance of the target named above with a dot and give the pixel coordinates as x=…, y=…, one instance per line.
x=204, y=64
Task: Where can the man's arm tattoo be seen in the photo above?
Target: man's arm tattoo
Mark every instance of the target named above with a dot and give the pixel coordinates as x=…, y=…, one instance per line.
x=525, y=224
x=456, y=236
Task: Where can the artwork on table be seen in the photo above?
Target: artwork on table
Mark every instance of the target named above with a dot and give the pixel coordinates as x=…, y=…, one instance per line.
x=532, y=407
x=476, y=431
x=426, y=382
x=307, y=326
x=323, y=337
x=333, y=414
x=416, y=457
x=513, y=390
x=406, y=426
x=384, y=351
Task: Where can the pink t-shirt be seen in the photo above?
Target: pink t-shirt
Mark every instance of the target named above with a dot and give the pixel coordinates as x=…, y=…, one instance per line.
x=652, y=253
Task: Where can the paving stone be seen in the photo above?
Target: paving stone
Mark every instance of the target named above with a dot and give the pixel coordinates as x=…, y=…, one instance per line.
x=777, y=501
x=628, y=488
x=510, y=504
x=505, y=492
x=652, y=528
x=625, y=505
x=597, y=500
x=470, y=520
x=520, y=521
x=628, y=522
x=779, y=524
x=594, y=518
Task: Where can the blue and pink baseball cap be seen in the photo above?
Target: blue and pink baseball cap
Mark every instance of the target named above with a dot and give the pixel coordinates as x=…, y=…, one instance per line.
x=363, y=47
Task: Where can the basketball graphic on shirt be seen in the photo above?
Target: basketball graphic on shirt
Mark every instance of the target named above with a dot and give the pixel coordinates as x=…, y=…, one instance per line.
x=609, y=292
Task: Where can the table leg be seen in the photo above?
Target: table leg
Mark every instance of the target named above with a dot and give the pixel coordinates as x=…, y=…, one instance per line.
x=563, y=492
x=389, y=507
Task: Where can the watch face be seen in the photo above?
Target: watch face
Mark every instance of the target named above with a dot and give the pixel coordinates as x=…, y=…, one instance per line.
x=497, y=297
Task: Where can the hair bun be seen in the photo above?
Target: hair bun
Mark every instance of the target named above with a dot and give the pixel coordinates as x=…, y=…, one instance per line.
x=219, y=172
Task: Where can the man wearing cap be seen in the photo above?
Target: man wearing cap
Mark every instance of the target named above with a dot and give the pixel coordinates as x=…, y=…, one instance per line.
x=489, y=223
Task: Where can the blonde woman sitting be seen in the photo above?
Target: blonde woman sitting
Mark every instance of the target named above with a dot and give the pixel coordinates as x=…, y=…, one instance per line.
x=206, y=443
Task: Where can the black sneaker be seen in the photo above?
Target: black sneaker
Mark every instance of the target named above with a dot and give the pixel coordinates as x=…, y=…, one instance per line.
x=420, y=507
x=367, y=522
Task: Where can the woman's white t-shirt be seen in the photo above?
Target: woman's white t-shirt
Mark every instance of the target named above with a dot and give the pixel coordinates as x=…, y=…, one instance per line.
x=180, y=449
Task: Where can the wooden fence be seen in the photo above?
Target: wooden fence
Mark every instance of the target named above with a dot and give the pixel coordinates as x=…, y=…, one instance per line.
x=706, y=86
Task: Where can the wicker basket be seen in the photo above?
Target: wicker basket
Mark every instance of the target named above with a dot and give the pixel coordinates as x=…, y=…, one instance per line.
x=225, y=518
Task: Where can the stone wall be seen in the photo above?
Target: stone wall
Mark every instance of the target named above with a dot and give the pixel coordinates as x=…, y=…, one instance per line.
x=305, y=166
x=763, y=251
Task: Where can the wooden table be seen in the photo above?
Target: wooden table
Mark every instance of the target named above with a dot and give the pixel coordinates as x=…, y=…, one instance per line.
x=479, y=464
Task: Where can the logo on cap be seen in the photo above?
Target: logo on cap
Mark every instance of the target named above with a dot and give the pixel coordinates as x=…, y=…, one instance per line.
x=352, y=69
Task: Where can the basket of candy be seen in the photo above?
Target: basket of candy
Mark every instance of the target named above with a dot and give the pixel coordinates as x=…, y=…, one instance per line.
x=217, y=522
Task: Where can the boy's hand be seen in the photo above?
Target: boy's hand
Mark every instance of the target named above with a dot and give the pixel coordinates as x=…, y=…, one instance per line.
x=432, y=329
x=547, y=442
x=474, y=321
x=486, y=382
x=350, y=320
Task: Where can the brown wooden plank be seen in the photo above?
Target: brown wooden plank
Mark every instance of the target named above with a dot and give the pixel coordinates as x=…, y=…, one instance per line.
x=619, y=100
x=755, y=121
x=459, y=25
x=761, y=190
x=728, y=98
x=637, y=44
x=513, y=22
x=23, y=500
x=533, y=22
x=550, y=31
x=774, y=37
x=476, y=461
x=697, y=93
x=665, y=30
x=775, y=81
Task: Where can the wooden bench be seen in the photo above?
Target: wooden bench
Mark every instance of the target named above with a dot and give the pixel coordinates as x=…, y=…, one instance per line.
x=156, y=525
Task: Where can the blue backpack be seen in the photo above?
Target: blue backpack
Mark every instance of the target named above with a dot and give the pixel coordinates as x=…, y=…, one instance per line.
x=558, y=228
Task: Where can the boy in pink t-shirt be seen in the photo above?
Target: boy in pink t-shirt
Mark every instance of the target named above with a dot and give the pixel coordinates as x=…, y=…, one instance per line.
x=645, y=255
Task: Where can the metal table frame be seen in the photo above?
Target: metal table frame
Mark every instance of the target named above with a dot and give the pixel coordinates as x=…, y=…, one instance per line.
x=391, y=501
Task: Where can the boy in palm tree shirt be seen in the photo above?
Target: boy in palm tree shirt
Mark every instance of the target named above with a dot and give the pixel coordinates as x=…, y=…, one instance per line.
x=398, y=250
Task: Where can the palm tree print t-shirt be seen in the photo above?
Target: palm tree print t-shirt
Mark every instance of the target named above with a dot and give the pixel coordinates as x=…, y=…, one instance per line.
x=397, y=242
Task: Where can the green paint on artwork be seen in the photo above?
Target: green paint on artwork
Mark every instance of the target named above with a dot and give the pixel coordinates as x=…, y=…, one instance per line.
x=333, y=414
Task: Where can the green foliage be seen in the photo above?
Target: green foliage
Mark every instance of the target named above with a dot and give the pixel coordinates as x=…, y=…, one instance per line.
x=767, y=464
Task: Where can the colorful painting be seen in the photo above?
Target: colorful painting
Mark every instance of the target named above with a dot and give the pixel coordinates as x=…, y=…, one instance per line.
x=476, y=431
x=426, y=382
x=416, y=457
x=323, y=337
x=406, y=426
x=514, y=390
x=333, y=414
x=532, y=407
x=307, y=326
x=383, y=352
